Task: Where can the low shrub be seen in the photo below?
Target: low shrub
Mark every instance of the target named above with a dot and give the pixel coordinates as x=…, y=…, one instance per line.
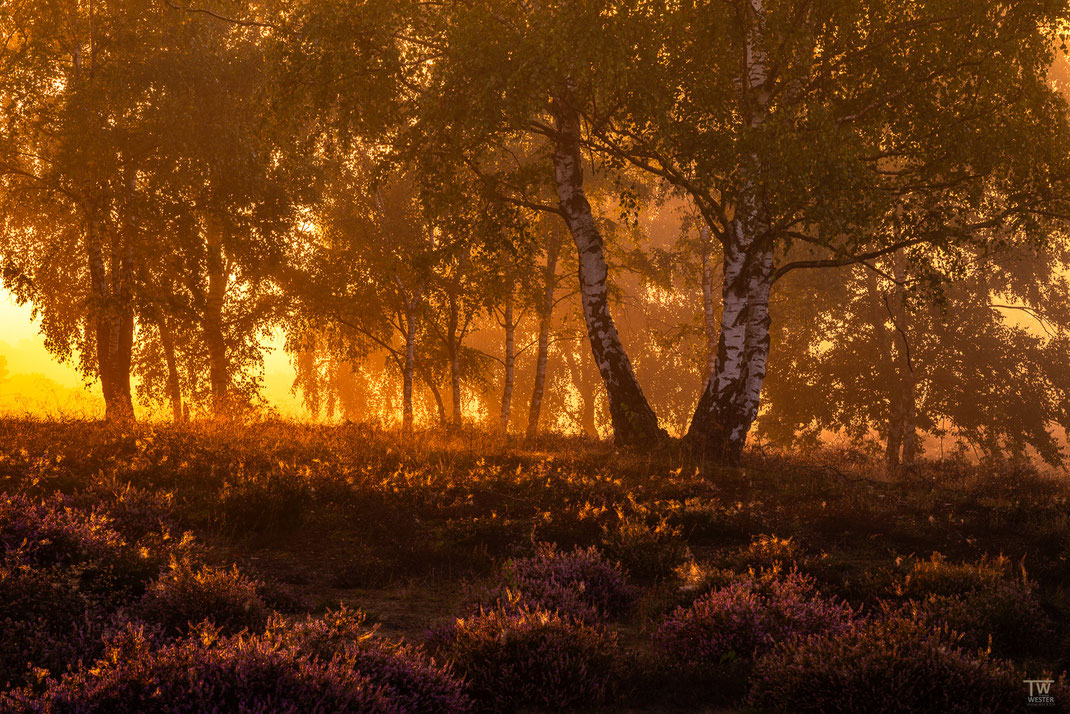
x=529, y=658
x=747, y=617
x=274, y=502
x=768, y=553
x=582, y=584
x=242, y=674
x=51, y=533
x=186, y=596
x=46, y=623
x=982, y=601
x=1006, y=617
x=892, y=665
x=412, y=681
x=938, y=576
x=645, y=543
x=134, y=512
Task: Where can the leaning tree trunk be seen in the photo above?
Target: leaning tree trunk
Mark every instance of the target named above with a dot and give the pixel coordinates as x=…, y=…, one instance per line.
x=730, y=400
x=436, y=393
x=546, y=311
x=113, y=323
x=510, y=361
x=634, y=422
x=218, y=368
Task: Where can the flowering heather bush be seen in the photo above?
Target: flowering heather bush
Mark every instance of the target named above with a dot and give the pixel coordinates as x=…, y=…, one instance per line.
x=242, y=674
x=978, y=600
x=135, y=512
x=747, y=617
x=46, y=622
x=1006, y=616
x=894, y=665
x=531, y=658
x=50, y=533
x=412, y=682
x=187, y=596
x=581, y=584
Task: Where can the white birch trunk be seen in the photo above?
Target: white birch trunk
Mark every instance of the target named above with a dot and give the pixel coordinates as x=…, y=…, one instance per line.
x=634, y=422
x=730, y=400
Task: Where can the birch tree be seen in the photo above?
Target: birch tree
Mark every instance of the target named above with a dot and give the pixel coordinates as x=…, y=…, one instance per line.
x=801, y=124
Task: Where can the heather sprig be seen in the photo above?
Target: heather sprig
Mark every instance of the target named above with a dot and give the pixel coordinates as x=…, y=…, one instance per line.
x=747, y=617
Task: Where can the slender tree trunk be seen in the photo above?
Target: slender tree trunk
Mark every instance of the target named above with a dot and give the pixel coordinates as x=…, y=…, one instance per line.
x=587, y=385
x=429, y=380
x=896, y=362
x=510, y=361
x=408, y=370
x=730, y=401
x=879, y=321
x=453, y=349
x=904, y=362
x=546, y=310
x=218, y=367
x=123, y=320
x=634, y=422
x=174, y=384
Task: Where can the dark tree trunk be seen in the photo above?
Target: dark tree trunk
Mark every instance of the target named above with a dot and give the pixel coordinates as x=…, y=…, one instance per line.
x=546, y=310
x=113, y=322
x=510, y=361
x=218, y=367
x=174, y=384
x=709, y=316
x=453, y=350
x=408, y=370
x=634, y=422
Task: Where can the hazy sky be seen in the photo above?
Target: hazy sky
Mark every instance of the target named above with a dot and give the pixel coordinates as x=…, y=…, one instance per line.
x=23, y=347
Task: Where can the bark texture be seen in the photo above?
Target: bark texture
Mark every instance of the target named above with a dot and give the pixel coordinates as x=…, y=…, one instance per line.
x=634, y=422
x=112, y=318
x=730, y=400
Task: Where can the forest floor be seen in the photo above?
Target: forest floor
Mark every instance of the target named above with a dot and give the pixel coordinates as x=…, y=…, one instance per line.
x=415, y=532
